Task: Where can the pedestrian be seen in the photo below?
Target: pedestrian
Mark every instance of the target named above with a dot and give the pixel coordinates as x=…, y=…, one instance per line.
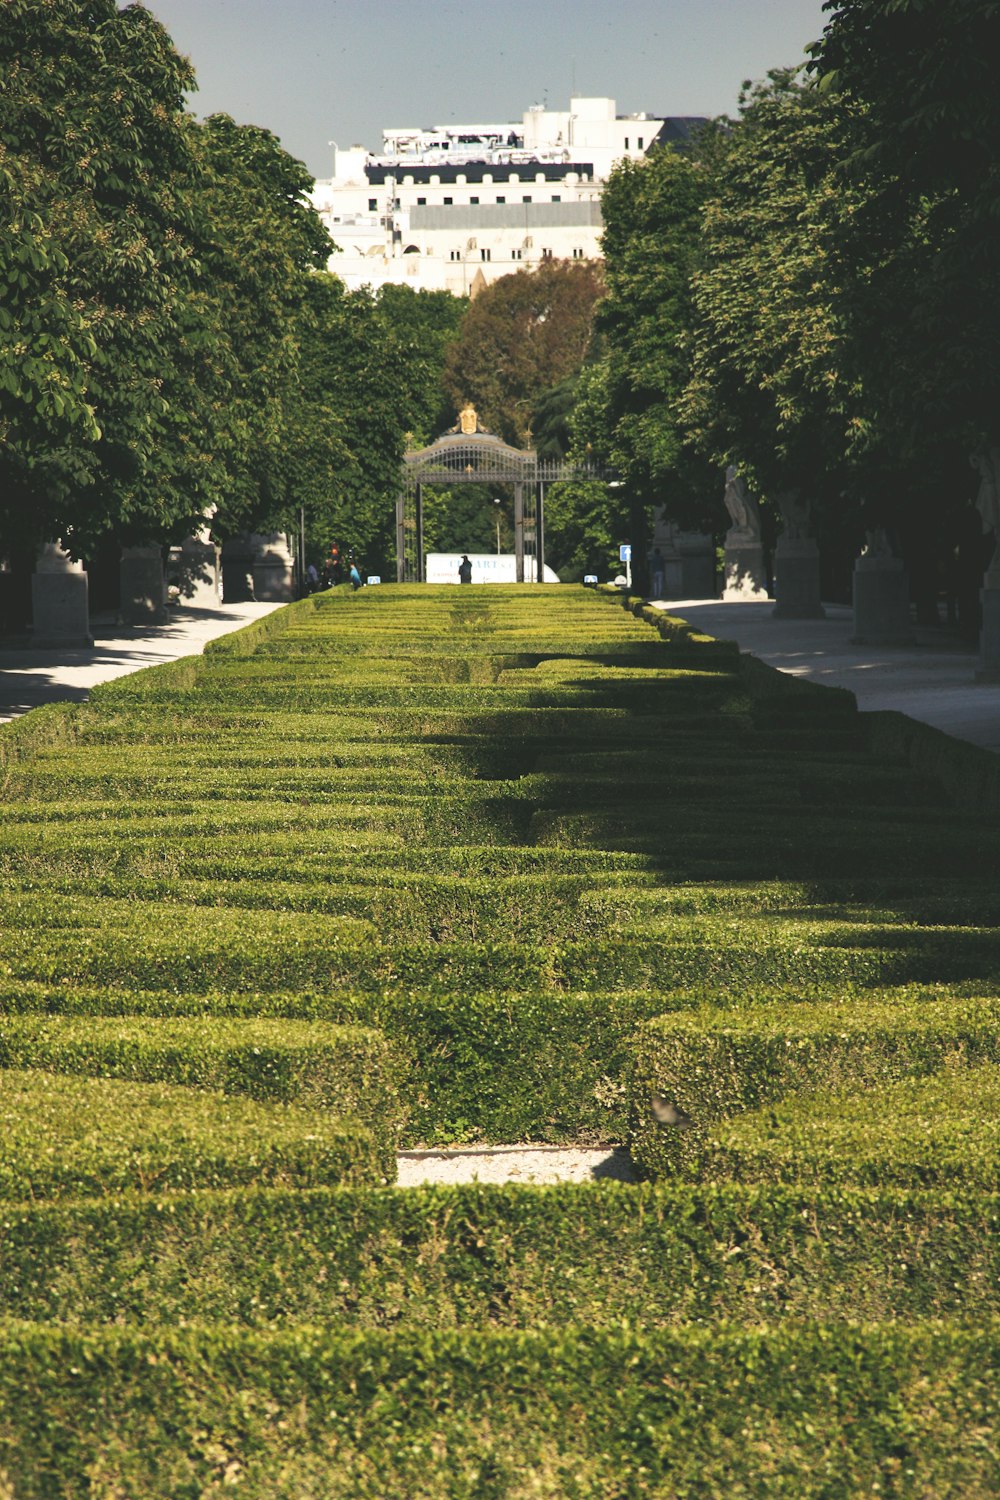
x=465, y=570
x=355, y=577
x=312, y=579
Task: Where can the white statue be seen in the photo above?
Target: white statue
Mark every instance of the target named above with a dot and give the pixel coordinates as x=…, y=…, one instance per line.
x=742, y=509
x=986, y=461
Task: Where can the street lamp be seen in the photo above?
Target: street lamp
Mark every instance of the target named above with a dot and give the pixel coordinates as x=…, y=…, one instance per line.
x=497, y=513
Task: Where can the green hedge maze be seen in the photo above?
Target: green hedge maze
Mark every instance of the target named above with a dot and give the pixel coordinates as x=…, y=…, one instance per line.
x=425, y=867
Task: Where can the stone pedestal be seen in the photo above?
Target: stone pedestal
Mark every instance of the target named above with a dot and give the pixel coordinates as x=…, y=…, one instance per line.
x=194, y=570
x=686, y=560
x=143, y=586
x=273, y=568
x=745, y=575
x=59, y=601
x=237, y=570
x=881, y=603
x=989, y=636
x=796, y=580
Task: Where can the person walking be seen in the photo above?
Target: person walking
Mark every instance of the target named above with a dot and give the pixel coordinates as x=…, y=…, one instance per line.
x=355, y=577
x=465, y=570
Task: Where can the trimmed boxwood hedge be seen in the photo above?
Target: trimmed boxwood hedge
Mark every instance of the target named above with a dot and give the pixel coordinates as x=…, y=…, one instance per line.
x=347, y=1070
x=711, y=1066
x=799, y=1413
x=600, y=1254
x=71, y=1137
x=529, y=838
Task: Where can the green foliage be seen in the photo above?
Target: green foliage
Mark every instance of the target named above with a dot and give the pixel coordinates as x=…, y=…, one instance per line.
x=913, y=1132
x=507, y=861
x=73, y=1137
x=770, y=389
x=515, y=1256
x=652, y=231
x=454, y=1412
x=522, y=335
x=422, y=325
x=348, y=1069
x=583, y=527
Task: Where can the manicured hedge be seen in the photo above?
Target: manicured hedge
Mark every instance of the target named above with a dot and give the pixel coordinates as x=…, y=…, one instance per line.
x=602, y=1254
x=800, y=1412
x=71, y=1137
x=912, y=1132
x=467, y=856
x=346, y=1070
x=712, y=1066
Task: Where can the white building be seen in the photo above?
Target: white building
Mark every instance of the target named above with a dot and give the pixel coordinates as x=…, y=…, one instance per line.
x=454, y=207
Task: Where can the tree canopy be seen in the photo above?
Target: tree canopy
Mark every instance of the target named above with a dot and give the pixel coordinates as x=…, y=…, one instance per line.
x=522, y=335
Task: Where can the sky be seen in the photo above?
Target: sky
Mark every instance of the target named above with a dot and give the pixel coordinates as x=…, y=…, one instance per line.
x=315, y=71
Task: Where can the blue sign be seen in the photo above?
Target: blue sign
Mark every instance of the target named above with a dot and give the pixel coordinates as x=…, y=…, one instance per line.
x=374, y=578
x=625, y=552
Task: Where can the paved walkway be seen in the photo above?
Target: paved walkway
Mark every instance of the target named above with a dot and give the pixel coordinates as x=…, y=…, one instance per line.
x=933, y=680
x=30, y=677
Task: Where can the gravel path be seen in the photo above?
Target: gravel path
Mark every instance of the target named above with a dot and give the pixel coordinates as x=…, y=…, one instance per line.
x=528, y=1164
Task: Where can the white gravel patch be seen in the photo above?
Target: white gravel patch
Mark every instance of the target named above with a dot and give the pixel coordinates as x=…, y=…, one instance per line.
x=527, y=1164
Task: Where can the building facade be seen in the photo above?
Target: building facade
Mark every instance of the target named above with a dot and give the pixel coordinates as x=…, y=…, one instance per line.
x=455, y=207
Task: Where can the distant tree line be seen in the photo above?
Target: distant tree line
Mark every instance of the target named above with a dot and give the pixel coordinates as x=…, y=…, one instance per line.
x=809, y=292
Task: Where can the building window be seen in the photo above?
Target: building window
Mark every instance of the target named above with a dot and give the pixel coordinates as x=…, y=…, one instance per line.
x=501, y=198
x=473, y=198
x=456, y=255
x=446, y=201
x=578, y=255
x=626, y=143
x=639, y=143
x=372, y=205
x=557, y=197
x=546, y=255
x=485, y=255
x=515, y=255
x=421, y=202
x=526, y=198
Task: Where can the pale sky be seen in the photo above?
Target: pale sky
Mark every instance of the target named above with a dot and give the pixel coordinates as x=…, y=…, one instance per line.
x=313, y=71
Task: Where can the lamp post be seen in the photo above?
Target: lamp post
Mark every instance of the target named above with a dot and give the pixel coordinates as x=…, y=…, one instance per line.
x=497, y=514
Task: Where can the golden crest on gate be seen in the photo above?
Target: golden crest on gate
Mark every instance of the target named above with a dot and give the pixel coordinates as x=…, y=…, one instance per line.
x=468, y=422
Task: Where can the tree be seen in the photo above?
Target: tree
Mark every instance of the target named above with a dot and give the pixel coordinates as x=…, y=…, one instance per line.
x=522, y=335
x=91, y=135
x=922, y=78
x=770, y=388
x=652, y=229
x=422, y=324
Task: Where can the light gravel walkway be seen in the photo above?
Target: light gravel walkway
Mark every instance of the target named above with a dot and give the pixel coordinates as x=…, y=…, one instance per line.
x=30, y=677
x=524, y=1164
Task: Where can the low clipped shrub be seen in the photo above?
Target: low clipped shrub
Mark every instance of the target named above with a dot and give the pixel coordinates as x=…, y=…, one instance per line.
x=807, y=1411
x=67, y=1137
x=602, y=1254
x=913, y=1132
x=343, y=1069
x=714, y=1066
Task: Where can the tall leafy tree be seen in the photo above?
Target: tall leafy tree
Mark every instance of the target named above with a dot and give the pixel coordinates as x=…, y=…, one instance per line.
x=91, y=135
x=652, y=214
x=770, y=387
x=922, y=79
x=422, y=324
x=522, y=335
